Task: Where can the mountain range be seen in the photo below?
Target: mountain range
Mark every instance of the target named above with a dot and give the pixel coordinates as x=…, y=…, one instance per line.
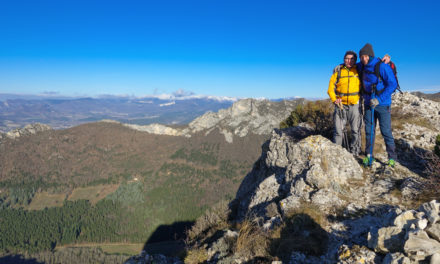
x=16, y=111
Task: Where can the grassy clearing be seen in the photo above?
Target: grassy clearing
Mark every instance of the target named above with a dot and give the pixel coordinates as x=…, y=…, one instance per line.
x=92, y=193
x=42, y=200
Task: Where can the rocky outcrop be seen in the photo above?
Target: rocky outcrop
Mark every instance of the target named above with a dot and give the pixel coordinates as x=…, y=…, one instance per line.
x=30, y=129
x=311, y=170
x=426, y=111
x=412, y=236
x=242, y=118
x=158, y=129
x=373, y=225
x=316, y=171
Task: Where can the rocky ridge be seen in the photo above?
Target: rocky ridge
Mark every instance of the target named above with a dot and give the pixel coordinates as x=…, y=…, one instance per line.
x=243, y=117
x=30, y=129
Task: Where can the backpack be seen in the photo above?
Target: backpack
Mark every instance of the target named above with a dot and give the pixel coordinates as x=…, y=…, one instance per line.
x=379, y=78
x=338, y=77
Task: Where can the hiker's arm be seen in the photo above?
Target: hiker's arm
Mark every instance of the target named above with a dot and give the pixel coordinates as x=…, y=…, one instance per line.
x=332, y=87
x=389, y=81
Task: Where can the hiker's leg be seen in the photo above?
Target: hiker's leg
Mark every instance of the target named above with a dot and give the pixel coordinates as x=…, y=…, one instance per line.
x=354, y=118
x=339, y=124
x=368, y=124
x=385, y=129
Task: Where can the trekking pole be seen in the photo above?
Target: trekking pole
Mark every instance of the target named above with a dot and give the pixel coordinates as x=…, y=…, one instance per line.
x=343, y=127
x=370, y=160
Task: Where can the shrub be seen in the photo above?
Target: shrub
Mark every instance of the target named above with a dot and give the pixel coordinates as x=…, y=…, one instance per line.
x=319, y=114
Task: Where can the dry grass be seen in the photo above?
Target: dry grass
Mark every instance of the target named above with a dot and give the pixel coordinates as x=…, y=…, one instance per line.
x=42, y=200
x=313, y=211
x=195, y=256
x=92, y=193
x=215, y=218
x=252, y=241
x=398, y=119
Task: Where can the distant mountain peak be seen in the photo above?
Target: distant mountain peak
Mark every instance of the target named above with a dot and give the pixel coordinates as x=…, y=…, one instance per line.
x=243, y=117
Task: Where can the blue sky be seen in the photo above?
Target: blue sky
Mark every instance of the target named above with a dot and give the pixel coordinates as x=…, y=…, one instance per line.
x=235, y=48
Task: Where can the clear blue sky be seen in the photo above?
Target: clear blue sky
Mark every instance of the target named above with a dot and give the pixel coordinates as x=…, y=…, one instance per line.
x=234, y=48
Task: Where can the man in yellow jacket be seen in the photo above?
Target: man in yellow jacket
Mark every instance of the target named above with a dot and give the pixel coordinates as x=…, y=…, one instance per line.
x=344, y=91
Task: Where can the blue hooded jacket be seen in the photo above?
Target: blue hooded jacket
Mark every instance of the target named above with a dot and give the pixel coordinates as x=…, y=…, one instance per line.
x=389, y=82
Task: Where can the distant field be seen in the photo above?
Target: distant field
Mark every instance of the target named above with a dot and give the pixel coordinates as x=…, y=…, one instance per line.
x=43, y=199
x=111, y=248
x=92, y=193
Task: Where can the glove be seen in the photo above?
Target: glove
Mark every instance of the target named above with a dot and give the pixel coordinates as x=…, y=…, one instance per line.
x=374, y=102
x=337, y=68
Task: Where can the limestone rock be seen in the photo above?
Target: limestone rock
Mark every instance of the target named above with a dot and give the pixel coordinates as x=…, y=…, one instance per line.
x=387, y=239
x=426, y=109
x=435, y=258
x=431, y=211
x=419, y=245
x=355, y=254
x=27, y=130
x=156, y=129
x=313, y=165
x=396, y=258
x=405, y=219
x=434, y=231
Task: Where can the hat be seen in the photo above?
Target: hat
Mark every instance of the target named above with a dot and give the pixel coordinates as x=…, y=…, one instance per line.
x=350, y=52
x=367, y=50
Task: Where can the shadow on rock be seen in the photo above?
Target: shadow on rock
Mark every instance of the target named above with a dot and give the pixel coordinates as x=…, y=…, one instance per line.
x=300, y=233
x=168, y=240
x=18, y=259
x=258, y=260
x=417, y=160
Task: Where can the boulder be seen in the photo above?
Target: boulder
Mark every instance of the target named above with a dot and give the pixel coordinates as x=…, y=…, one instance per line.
x=419, y=245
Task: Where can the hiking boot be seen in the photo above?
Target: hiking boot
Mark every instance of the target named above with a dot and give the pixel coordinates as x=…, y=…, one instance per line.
x=391, y=163
x=366, y=161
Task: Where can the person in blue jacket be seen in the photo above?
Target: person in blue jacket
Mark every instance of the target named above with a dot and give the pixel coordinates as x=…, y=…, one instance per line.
x=377, y=95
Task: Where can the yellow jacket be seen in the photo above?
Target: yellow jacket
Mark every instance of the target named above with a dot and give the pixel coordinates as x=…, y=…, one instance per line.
x=347, y=88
